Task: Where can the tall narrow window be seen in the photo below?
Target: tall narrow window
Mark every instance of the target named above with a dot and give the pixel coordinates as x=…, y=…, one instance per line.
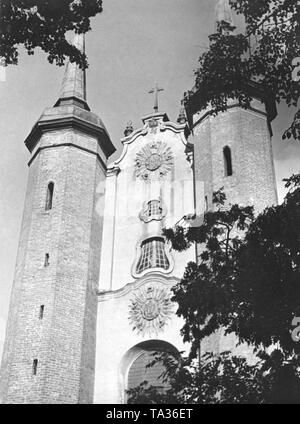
x=206, y=204
x=42, y=308
x=227, y=161
x=49, y=198
x=153, y=255
x=46, y=263
x=34, y=366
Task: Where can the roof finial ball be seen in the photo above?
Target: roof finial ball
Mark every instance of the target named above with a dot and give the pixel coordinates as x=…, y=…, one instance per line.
x=181, y=117
x=128, y=129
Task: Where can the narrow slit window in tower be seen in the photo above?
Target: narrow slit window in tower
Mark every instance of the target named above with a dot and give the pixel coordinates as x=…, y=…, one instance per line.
x=34, y=366
x=42, y=308
x=49, y=198
x=227, y=161
x=46, y=263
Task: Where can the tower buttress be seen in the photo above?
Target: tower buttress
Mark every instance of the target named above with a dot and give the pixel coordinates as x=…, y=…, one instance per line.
x=49, y=350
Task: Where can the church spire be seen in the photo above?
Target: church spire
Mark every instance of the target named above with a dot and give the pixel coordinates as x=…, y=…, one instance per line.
x=223, y=13
x=73, y=87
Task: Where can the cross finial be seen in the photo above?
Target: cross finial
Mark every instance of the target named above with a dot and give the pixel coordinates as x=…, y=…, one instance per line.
x=155, y=90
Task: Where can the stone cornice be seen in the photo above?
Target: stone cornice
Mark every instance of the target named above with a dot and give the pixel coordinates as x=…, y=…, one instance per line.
x=176, y=128
x=155, y=116
x=153, y=277
x=234, y=106
x=71, y=117
x=113, y=171
x=39, y=149
x=251, y=88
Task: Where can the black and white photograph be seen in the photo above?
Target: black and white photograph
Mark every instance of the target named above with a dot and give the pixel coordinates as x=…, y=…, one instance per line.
x=150, y=204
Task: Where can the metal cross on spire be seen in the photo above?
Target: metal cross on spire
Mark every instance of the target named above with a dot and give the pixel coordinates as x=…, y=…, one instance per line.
x=155, y=90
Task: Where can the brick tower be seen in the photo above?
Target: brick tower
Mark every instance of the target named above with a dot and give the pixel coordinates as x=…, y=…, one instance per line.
x=233, y=149
x=49, y=351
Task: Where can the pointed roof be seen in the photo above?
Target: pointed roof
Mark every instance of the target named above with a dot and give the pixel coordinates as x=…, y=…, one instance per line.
x=223, y=13
x=71, y=110
x=73, y=87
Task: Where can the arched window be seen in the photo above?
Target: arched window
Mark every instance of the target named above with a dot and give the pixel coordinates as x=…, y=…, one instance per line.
x=46, y=262
x=49, y=198
x=227, y=161
x=140, y=372
x=135, y=370
x=34, y=366
x=153, y=255
x=42, y=309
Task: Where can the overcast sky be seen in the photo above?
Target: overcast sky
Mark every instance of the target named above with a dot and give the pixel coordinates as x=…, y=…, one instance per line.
x=132, y=44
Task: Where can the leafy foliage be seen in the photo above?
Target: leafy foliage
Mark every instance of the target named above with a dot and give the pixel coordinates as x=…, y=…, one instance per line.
x=245, y=264
x=262, y=55
x=246, y=281
x=223, y=379
x=44, y=23
x=206, y=294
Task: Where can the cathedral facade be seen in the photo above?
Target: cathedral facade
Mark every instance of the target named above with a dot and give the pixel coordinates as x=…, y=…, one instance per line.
x=90, y=301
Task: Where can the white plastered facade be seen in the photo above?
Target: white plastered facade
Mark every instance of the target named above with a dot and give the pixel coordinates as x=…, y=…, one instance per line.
x=156, y=164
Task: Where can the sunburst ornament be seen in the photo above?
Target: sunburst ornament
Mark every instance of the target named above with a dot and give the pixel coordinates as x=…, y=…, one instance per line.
x=150, y=310
x=154, y=161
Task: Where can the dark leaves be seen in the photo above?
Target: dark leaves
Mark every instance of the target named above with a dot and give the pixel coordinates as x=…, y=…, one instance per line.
x=44, y=23
x=264, y=55
x=247, y=278
x=222, y=379
x=246, y=282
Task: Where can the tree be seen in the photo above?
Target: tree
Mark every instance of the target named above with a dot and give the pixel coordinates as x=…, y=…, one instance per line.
x=44, y=23
x=246, y=283
x=222, y=379
x=246, y=263
x=265, y=55
x=247, y=279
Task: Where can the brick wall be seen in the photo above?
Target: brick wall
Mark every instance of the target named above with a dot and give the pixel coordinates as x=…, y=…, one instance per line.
x=64, y=340
x=246, y=133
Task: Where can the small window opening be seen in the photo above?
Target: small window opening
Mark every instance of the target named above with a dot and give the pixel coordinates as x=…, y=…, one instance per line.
x=206, y=204
x=42, y=308
x=49, y=198
x=46, y=263
x=227, y=161
x=154, y=208
x=34, y=366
